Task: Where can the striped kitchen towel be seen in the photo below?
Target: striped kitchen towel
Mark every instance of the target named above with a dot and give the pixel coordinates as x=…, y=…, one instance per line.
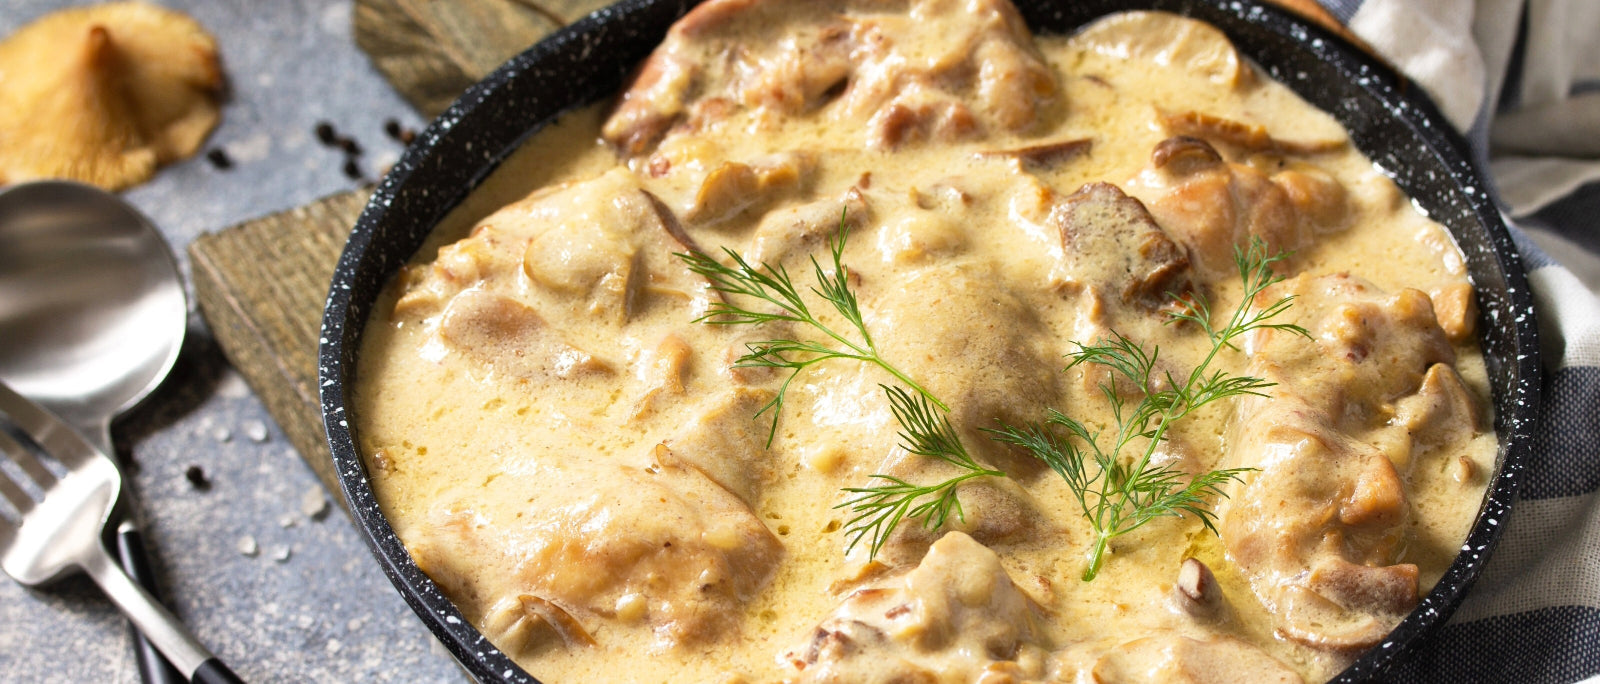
x=1521, y=78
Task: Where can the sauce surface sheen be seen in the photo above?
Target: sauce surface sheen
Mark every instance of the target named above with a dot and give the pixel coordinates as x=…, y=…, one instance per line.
x=572, y=458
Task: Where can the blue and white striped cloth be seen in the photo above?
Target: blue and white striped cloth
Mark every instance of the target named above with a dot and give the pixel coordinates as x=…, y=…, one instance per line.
x=1522, y=79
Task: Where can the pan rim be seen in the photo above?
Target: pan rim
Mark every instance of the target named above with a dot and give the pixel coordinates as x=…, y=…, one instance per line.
x=420, y=179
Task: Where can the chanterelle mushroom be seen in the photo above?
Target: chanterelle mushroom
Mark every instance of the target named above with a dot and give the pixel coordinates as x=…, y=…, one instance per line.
x=105, y=94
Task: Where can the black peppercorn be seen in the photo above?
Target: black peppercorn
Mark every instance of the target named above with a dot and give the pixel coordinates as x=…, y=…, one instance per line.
x=197, y=477
x=326, y=135
x=219, y=159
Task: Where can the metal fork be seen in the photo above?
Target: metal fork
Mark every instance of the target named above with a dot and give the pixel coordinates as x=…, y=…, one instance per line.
x=63, y=530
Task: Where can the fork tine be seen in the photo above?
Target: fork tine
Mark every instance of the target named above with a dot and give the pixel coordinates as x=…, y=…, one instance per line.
x=52, y=435
x=19, y=499
x=26, y=459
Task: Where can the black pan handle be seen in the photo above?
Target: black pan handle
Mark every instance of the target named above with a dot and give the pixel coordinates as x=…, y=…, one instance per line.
x=153, y=669
x=212, y=671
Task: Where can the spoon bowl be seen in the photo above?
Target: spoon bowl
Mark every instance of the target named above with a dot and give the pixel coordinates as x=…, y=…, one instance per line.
x=92, y=316
x=92, y=308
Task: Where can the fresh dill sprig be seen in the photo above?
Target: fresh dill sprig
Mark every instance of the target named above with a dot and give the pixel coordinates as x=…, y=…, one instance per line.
x=1121, y=494
x=772, y=284
x=925, y=431
x=923, y=418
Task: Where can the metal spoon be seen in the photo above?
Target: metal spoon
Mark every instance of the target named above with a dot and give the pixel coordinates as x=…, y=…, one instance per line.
x=92, y=315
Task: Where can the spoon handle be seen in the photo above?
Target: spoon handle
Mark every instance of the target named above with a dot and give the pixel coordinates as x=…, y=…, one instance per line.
x=169, y=635
x=153, y=669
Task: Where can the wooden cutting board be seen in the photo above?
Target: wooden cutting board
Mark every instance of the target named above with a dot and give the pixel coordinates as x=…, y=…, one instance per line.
x=261, y=287
x=262, y=284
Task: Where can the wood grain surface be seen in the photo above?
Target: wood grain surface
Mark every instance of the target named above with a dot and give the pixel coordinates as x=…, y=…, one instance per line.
x=261, y=287
x=431, y=51
x=262, y=284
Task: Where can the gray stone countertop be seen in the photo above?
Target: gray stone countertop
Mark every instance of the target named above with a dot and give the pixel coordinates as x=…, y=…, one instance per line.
x=309, y=604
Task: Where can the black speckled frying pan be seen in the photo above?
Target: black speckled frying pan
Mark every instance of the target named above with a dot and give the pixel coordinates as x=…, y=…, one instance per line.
x=1390, y=120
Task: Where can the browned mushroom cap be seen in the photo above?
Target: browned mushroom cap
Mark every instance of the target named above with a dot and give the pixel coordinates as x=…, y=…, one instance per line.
x=105, y=94
x=1182, y=155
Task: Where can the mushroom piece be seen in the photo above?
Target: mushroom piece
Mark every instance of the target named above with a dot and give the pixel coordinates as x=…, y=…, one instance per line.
x=1317, y=529
x=1043, y=155
x=1168, y=40
x=528, y=624
x=511, y=337
x=796, y=230
x=105, y=94
x=858, y=63
x=957, y=613
x=595, y=251
x=734, y=187
x=1112, y=245
x=558, y=621
x=1185, y=155
x=723, y=440
x=1214, y=206
x=1442, y=410
x=1456, y=309
x=645, y=537
x=1247, y=136
x=1196, y=590
x=664, y=370
x=1165, y=656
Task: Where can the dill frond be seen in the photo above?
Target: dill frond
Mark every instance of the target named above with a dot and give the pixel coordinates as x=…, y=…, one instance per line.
x=925, y=431
x=773, y=285
x=1124, y=490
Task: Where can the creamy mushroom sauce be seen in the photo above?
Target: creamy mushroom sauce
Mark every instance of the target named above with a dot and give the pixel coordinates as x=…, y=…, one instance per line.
x=570, y=456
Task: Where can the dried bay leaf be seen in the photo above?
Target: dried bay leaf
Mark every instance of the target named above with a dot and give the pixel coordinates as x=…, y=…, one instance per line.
x=430, y=51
